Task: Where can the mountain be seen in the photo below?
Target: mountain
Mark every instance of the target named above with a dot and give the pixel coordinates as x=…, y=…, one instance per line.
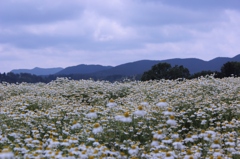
x=82, y=69
x=131, y=69
x=38, y=71
x=193, y=64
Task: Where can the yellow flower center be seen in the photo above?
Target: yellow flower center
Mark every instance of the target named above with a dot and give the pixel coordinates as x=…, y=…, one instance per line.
x=168, y=154
x=172, y=117
x=92, y=110
x=162, y=100
x=74, y=122
x=189, y=135
x=209, y=135
x=126, y=114
x=111, y=100
x=159, y=132
x=169, y=109
x=140, y=107
x=189, y=152
x=191, y=157
x=177, y=139
x=96, y=125
x=216, y=142
x=230, y=140
x=133, y=146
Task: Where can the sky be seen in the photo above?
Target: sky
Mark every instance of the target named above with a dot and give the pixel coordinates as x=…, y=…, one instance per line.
x=47, y=34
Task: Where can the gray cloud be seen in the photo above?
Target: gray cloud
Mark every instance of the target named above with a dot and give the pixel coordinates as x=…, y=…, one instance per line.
x=27, y=12
x=114, y=32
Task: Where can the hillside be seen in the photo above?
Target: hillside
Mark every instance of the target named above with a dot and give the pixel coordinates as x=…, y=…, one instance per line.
x=38, y=71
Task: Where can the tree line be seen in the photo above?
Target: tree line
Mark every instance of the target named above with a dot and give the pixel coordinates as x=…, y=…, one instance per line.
x=31, y=78
x=158, y=71
x=166, y=71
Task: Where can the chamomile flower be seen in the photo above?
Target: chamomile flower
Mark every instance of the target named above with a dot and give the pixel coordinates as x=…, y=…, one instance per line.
x=140, y=112
x=75, y=125
x=126, y=118
x=168, y=112
x=178, y=145
x=155, y=142
x=216, y=144
x=92, y=114
x=6, y=154
x=169, y=156
x=133, y=151
x=97, y=128
x=162, y=104
x=159, y=135
x=144, y=103
x=111, y=103
x=171, y=121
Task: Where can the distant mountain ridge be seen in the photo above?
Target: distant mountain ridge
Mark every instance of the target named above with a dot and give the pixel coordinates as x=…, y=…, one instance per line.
x=83, y=69
x=38, y=71
x=193, y=64
x=135, y=68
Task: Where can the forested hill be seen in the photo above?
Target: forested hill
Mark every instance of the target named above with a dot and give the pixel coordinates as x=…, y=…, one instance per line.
x=132, y=70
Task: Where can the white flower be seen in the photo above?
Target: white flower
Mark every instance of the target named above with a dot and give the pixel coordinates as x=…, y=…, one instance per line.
x=189, y=138
x=203, y=122
x=159, y=135
x=140, y=112
x=178, y=145
x=155, y=143
x=97, y=128
x=6, y=154
x=76, y=126
x=169, y=156
x=171, y=121
x=90, y=139
x=111, y=104
x=133, y=150
x=167, y=141
x=96, y=143
x=125, y=118
x=215, y=144
x=175, y=136
x=168, y=112
x=217, y=153
x=91, y=114
x=144, y=103
x=162, y=104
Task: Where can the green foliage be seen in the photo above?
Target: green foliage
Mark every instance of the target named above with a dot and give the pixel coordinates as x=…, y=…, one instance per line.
x=165, y=71
x=33, y=106
x=231, y=68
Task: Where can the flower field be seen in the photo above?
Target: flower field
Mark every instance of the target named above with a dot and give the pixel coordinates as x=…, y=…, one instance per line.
x=190, y=119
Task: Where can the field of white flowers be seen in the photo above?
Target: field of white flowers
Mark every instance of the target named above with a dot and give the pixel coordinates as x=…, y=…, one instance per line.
x=189, y=119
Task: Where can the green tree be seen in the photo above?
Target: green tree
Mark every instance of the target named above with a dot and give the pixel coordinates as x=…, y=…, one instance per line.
x=165, y=71
x=231, y=68
x=178, y=72
x=158, y=71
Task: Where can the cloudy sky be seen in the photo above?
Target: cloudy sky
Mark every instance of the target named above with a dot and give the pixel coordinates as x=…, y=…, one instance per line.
x=61, y=33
